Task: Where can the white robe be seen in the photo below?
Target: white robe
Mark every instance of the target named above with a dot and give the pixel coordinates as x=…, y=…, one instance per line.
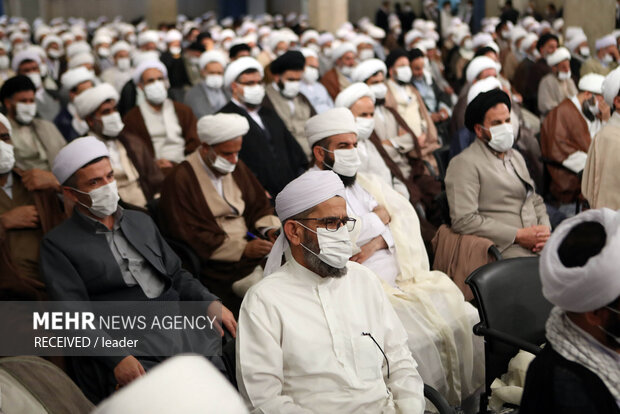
x=300, y=347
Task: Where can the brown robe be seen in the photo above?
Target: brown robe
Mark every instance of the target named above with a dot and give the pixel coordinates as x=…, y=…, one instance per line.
x=563, y=132
x=151, y=176
x=135, y=127
x=331, y=81
x=186, y=216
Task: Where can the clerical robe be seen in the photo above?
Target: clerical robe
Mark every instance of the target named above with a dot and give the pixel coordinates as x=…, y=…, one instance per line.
x=301, y=346
x=601, y=182
x=334, y=81
x=552, y=91
x=36, y=145
x=564, y=132
x=593, y=65
x=215, y=225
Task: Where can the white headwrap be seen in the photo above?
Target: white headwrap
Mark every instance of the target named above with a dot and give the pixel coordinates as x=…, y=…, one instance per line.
x=307, y=52
x=605, y=41
x=212, y=56
x=148, y=36
x=342, y=49
x=81, y=59
x=73, y=77
x=49, y=39
x=27, y=54
x=88, y=101
x=119, y=46
x=560, y=54
x=77, y=154
x=481, y=86
x=412, y=35
x=592, y=82
x=173, y=36
x=576, y=41
x=481, y=40
x=331, y=122
x=587, y=288
x=352, y=94
x=611, y=86
x=572, y=31
x=76, y=48
x=149, y=64
x=309, y=35
x=222, y=127
x=276, y=37
x=325, y=38
x=100, y=39
x=477, y=65
x=368, y=68
x=301, y=194
x=239, y=66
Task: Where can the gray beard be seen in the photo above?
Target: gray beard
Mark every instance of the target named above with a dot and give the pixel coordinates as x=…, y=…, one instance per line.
x=317, y=265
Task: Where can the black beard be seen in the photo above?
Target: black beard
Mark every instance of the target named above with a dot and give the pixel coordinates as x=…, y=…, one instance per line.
x=585, y=108
x=380, y=102
x=317, y=265
x=329, y=162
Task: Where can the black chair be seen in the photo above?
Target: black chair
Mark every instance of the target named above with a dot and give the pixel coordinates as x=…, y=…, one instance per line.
x=442, y=155
x=513, y=313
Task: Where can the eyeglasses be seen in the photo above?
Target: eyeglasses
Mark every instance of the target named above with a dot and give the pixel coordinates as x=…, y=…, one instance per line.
x=333, y=223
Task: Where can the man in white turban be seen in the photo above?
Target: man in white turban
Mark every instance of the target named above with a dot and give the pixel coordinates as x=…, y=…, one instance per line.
x=28, y=63
x=557, y=85
x=68, y=122
x=118, y=74
x=209, y=95
x=106, y=252
x=318, y=334
x=339, y=77
x=214, y=203
x=167, y=127
x=606, y=58
x=578, y=370
x=431, y=307
x=601, y=183
x=566, y=135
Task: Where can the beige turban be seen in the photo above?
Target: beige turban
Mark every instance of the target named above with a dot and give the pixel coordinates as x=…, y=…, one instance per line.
x=73, y=77
x=560, y=54
x=367, y=69
x=88, y=101
x=239, y=66
x=77, y=154
x=352, y=94
x=218, y=128
x=331, y=122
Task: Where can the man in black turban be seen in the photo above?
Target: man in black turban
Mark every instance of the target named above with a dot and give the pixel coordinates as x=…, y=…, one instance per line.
x=489, y=189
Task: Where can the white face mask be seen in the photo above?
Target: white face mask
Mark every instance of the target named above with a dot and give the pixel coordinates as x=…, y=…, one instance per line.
x=104, y=200
x=502, y=137
x=365, y=126
x=25, y=113
x=123, y=64
x=608, y=59
x=223, y=166
x=255, y=51
x=403, y=74
x=35, y=78
x=379, y=89
x=311, y=74
x=314, y=47
x=253, y=95
x=335, y=247
x=346, y=162
x=564, y=75
x=366, y=54
x=226, y=44
x=291, y=89
x=7, y=157
x=4, y=62
x=327, y=52
x=214, y=81
x=103, y=52
x=593, y=108
x=112, y=124
x=468, y=44
x=80, y=126
x=346, y=70
x=156, y=92
x=54, y=53
x=131, y=38
x=584, y=51
x=175, y=50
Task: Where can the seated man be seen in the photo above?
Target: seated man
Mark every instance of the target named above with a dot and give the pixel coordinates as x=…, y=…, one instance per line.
x=175, y=63
x=489, y=189
x=556, y=85
x=104, y=252
x=546, y=45
x=27, y=63
x=577, y=370
x=68, y=122
x=36, y=141
x=601, y=183
x=137, y=177
x=283, y=95
x=213, y=202
x=310, y=86
x=339, y=76
x=318, y=335
x=566, y=135
x=119, y=74
x=606, y=58
x=208, y=97
x=166, y=127
x=269, y=149
x=430, y=306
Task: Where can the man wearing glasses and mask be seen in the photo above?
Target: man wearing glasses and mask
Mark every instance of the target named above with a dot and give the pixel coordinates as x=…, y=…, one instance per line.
x=318, y=334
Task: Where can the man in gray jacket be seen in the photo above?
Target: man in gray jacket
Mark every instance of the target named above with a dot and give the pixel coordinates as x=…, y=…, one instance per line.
x=208, y=96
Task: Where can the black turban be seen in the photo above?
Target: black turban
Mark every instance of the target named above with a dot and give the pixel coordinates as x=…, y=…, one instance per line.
x=394, y=56
x=477, y=109
x=16, y=84
x=291, y=60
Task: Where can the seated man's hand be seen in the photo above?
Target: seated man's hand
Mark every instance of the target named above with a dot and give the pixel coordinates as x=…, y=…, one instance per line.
x=369, y=249
x=533, y=238
x=383, y=214
x=448, y=89
x=605, y=110
x=223, y=316
x=36, y=179
x=23, y=217
x=257, y=248
x=128, y=370
x=163, y=163
x=542, y=235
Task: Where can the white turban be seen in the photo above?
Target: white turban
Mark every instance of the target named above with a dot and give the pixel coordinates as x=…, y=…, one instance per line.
x=484, y=85
x=561, y=54
x=352, y=94
x=76, y=48
x=276, y=37
x=212, y=56
x=49, y=39
x=239, y=66
x=148, y=36
x=222, y=127
x=120, y=46
x=576, y=41
x=517, y=33
x=481, y=40
x=301, y=194
x=325, y=38
x=77, y=154
x=173, y=36
x=477, y=65
x=368, y=68
x=605, y=41
x=375, y=32
x=527, y=41
x=73, y=77
x=331, y=122
x=572, y=31
x=592, y=286
x=342, y=49
x=412, y=35
x=611, y=86
x=362, y=39
x=5, y=121
x=89, y=100
x=81, y=59
x=309, y=35
x=181, y=384
x=307, y=52
x=149, y=64
x=100, y=39
x=22, y=56
x=592, y=82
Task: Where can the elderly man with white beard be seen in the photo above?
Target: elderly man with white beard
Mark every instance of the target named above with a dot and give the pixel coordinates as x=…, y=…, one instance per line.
x=317, y=334
x=430, y=306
